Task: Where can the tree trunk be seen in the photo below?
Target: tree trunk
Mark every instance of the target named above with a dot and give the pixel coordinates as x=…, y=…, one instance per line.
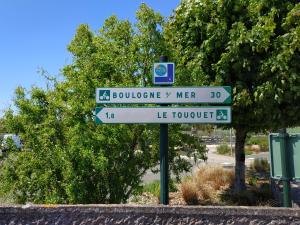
x=239, y=181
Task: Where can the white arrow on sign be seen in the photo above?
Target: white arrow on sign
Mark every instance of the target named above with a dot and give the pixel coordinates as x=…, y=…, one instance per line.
x=213, y=114
x=160, y=95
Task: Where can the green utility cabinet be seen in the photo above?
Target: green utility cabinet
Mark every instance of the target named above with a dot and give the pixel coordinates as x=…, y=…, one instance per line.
x=292, y=142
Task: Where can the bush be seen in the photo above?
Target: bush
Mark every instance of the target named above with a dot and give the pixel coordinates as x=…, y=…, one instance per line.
x=260, y=194
x=190, y=193
x=252, y=180
x=215, y=176
x=206, y=184
x=223, y=150
x=262, y=141
x=244, y=198
x=263, y=193
x=248, y=150
x=260, y=166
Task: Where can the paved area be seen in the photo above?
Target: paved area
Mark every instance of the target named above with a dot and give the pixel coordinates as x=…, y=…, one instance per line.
x=213, y=159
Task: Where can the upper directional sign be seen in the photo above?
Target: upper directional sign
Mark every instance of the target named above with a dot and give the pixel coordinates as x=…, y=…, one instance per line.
x=213, y=114
x=160, y=95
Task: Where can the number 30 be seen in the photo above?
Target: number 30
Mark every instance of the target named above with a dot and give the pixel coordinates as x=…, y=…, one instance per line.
x=215, y=94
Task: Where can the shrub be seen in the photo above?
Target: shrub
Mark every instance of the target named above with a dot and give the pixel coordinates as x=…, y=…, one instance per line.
x=215, y=176
x=248, y=150
x=260, y=194
x=206, y=184
x=244, y=198
x=206, y=192
x=262, y=141
x=260, y=166
x=223, y=150
x=189, y=193
x=253, y=180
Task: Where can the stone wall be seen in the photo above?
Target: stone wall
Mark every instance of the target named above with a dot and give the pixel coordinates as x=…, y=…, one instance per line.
x=127, y=214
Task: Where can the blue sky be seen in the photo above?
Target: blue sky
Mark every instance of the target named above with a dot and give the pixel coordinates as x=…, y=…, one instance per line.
x=34, y=34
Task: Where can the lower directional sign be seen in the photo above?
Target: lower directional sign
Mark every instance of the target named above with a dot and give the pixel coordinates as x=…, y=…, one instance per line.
x=213, y=114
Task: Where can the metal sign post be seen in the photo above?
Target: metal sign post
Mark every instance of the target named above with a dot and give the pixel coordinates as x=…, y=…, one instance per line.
x=163, y=156
x=164, y=164
x=282, y=162
x=285, y=170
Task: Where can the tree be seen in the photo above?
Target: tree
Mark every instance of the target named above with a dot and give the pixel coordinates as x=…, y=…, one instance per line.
x=251, y=45
x=2, y=128
x=67, y=158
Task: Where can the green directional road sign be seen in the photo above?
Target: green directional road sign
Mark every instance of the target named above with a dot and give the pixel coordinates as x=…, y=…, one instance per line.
x=165, y=95
x=213, y=114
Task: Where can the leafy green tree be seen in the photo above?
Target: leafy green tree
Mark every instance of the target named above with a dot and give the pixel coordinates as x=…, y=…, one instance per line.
x=67, y=158
x=2, y=128
x=251, y=45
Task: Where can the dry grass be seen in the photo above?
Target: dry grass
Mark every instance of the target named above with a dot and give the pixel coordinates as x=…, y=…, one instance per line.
x=206, y=185
x=214, y=176
x=190, y=193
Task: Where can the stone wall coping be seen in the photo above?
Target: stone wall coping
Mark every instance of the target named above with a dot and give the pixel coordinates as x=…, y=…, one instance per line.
x=155, y=209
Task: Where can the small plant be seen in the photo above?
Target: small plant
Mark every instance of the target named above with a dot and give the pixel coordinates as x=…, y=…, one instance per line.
x=189, y=193
x=260, y=166
x=253, y=180
x=205, y=185
x=206, y=192
x=248, y=150
x=153, y=188
x=223, y=150
x=261, y=141
x=215, y=176
x=172, y=185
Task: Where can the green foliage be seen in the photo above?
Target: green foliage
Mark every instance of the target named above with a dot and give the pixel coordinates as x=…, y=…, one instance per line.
x=66, y=157
x=250, y=45
x=7, y=148
x=2, y=128
x=248, y=150
x=262, y=141
x=253, y=180
x=223, y=150
x=293, y=130
x=260, y=166
x=153, y=188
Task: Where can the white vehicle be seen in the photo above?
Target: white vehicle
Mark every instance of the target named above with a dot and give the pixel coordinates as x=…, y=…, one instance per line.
x=15, y=138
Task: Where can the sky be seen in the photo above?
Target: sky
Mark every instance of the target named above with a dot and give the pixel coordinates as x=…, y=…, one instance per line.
x=34, y=34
